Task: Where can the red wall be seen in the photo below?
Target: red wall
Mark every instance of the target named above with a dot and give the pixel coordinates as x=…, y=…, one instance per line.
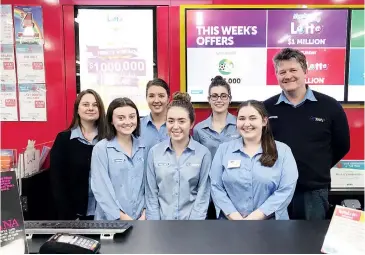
x=59, y=56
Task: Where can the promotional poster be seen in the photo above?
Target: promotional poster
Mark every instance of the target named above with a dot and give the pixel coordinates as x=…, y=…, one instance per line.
x=28, y=25
x=12, y=240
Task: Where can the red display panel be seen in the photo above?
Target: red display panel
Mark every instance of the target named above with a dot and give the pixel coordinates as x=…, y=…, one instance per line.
x=325, y=66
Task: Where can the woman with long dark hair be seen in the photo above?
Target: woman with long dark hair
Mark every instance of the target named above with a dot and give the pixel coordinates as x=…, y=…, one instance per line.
x=71, y=155
x=254, y=176
x=118, y=165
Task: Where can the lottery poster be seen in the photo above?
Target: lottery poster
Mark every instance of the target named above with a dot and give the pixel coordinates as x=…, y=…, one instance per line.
x=116, y=53
x=28, y=25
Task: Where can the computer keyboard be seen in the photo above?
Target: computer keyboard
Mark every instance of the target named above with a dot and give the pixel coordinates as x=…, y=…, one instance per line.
x=76, y=227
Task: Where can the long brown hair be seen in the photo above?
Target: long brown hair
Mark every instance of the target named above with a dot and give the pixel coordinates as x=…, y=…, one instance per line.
x=116, y=103
x=99, y=123
x=269, y=150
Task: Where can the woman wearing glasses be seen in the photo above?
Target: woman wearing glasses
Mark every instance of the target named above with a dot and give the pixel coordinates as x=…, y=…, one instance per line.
x=220, y=126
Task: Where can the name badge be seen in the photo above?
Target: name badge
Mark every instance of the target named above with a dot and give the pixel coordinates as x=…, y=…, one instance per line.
x=163, y=164
x=234, y=163
x=193, y=164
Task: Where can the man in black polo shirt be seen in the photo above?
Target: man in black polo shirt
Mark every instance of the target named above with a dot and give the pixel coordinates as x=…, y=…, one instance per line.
x=315, y=127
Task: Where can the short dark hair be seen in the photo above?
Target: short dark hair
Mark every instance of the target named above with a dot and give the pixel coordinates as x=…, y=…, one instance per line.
x=99, y=123
x=116, y=103
x=182, y=99
x=160, y=83
x=288, y=54
x=220, y=81
x=269, y=150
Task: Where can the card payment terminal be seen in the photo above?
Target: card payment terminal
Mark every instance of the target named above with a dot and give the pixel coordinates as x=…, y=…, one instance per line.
x=70, y=244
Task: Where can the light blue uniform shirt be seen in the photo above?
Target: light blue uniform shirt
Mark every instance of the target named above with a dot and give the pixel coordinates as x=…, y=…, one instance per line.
x=178, y=189
x=203, y=133
x=77, y=133
x=149, y=133
x=118, y=180
x=241, y=184
x=308, y=96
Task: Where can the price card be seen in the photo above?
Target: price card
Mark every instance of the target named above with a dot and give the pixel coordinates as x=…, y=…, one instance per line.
x=32, y=102
x=8, y=103
x=7, y=64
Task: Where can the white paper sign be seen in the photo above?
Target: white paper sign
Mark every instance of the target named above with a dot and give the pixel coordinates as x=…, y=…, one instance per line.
x=8, y=103
x=348, y=174
x=7, y=64
x=6, y=29
x=30, y=63
x=32, y=102
x=31, y=162
x=346, y=233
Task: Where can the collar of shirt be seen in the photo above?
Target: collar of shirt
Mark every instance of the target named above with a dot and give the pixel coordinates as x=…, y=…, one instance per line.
x=77, y=133
x=136, y=144
x=167, y=144
x=308, y=96
x=238, y=146
x=149, y=120
x=230, y=120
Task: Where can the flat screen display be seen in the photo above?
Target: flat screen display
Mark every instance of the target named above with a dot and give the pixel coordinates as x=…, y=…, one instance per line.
x=116, y=53
x=240, y=44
